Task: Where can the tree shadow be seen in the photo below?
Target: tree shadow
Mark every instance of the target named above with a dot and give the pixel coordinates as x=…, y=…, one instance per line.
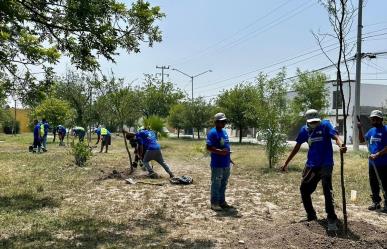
x=26, y=202
x=149, y=232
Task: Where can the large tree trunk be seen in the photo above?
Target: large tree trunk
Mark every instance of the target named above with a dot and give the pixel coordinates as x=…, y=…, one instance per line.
x=178, y=132
x=198, y=134
x=131, y=169
x=240, y=134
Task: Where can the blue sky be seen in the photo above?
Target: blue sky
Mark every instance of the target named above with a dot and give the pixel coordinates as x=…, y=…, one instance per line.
x=236, y=37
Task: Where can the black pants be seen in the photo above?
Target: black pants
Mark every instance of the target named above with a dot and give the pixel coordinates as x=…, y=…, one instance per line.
x=374, y=183
x=310, y=178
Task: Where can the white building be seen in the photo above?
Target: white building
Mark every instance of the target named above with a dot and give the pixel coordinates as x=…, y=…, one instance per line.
x=372, y=96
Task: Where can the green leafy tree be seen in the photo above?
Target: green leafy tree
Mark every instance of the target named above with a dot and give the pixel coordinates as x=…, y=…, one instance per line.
x=176, y=117
x=239, y=104
x=198, y=114
x=156, y=124
x=158, y=97
x=56, y=112
x=34, y=34
x=273, y=115
x=311, y=92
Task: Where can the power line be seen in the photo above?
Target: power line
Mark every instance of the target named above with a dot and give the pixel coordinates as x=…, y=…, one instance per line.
x=283, y=4
x=261, y=29
x=286, y=60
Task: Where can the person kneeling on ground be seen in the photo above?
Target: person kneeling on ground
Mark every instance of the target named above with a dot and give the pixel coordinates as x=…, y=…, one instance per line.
x=319, y=165
x=376, y=139
x=218, y=145
x=150, y=148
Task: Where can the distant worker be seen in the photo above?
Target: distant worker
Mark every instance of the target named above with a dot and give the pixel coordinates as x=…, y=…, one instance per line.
x=37, y=138
x=79, y=132
x=61, y=134
x=46, y=127
x=105, y=139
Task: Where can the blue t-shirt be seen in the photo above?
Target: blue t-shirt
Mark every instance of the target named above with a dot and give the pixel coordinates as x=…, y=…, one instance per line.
x=148, y=139
x=320, y=152
x=219, y=140
x=37, y=131
x=46, y=128
x=98, y=131
x=61, y=129
x=377, y=140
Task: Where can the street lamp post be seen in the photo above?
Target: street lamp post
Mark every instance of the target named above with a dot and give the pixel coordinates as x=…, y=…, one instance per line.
x=192, y=80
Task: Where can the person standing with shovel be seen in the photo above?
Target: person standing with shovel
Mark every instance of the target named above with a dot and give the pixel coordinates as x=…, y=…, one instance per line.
x=376, y=139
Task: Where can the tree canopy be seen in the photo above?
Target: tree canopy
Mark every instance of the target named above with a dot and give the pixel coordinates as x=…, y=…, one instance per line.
x=35, y=33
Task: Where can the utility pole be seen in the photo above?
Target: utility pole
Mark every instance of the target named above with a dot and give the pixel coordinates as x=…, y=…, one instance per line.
x=162, y=72
x=356, y=112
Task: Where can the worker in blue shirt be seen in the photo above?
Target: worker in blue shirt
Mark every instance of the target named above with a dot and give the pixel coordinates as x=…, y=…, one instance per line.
x=105, y=137
x=219, y=146
x=37, y=138
x=61, y=134
x=151, y=149
x=79, y=132
x=376, y=139
x=319, y=165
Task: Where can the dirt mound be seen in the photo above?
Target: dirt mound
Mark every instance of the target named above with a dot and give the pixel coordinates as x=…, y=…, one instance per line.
x=314, y=235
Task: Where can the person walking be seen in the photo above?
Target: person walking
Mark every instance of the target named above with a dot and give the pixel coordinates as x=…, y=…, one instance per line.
x=319, y=165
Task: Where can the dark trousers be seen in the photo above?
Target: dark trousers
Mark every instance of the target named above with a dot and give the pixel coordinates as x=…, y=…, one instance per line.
x=374, y=183
x=310, y=178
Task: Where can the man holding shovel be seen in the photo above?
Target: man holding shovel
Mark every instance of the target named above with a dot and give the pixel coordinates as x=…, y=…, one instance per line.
x=376, y=139
x=319, y=165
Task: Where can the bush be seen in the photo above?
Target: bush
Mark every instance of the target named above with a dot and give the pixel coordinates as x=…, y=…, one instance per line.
x=81, y=152
x=8, y=127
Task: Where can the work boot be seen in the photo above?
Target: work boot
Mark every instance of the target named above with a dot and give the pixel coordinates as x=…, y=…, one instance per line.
x=216, y=207
x=374, y=206
x=332, y=225
x=311, y=217
x=226, y=206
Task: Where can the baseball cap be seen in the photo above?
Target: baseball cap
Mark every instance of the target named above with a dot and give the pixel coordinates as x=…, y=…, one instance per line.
x=312, y=115
x=220, y=117
x=376, y=113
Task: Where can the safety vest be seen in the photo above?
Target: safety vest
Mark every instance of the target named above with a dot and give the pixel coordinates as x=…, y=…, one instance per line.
x=104, y=131
x=42, y=130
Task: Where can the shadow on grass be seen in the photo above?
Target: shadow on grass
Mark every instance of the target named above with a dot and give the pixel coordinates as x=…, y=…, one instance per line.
x=95, y=233
x=26, y=202
x=267, y=170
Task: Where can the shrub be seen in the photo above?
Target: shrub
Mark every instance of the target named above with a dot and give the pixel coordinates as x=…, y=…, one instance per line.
x=81, y=152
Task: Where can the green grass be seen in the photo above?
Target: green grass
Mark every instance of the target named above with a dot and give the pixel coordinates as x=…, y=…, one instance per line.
x=48, y=202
